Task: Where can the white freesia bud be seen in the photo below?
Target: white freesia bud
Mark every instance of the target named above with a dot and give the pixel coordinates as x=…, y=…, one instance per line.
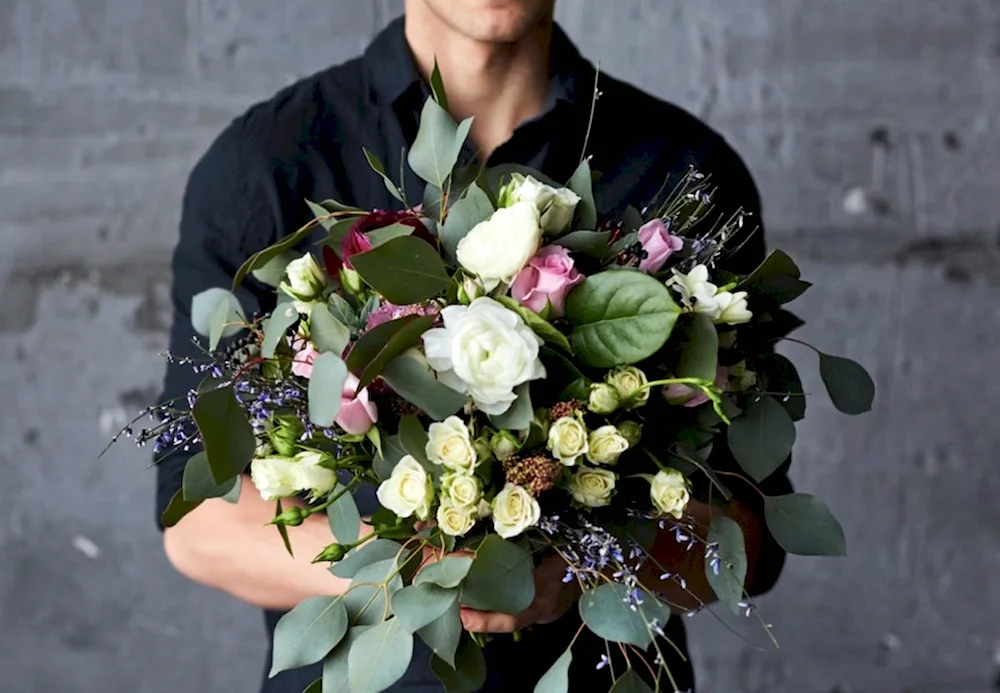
x=449, y=444
x=312, y=476
x=605, y=445
x=670, y=492
x=567, y=440
x=454, y=520
x=485, y=350
x=275, y=477
x=514, y=510
x=305, y=283
x=461, y=490
x=555, y=205
x=630, y=382
x=592, y=487
x=732, y=308
x=408, y=490
x=603, y=398
x=498, y=248
x=697, y=293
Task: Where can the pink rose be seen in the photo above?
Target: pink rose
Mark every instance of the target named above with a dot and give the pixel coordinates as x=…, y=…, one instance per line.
x=676, y=393
x=302, y=362
x=357, y=413
x=659, y=245
x=546, y=280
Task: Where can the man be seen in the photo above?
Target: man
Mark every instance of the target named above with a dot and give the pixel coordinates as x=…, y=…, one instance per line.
x=504, y=62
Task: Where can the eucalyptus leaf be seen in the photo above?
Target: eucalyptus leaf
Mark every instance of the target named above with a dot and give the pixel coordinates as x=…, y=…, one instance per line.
x=556, y=679
x=372, y=551
x=366, y=601
x=782, y=377
x=803, y=525
x=619, y=317
x=727, y=574
x=326, y=386
x=379, y=657
x=413, y=438
x=385, y=234
x=272, y=272
x=630, y=682
x=421, y=604
x=380, y=345
x=212, y=313
x=469, y=673
x=392, y=452
x=263, y=257
x=582, y=184
x=501, y=578
x=344, y=517
x=342, y=311
x=438, y=142
x=404, y=270
x=326, y=332
x=700, y=354
x=314, y=687
x=233, y=494
x=849, y=385
x=443, y=634
x=226, y=435
x=762, y=438
x=307, y=633
x=177, y=508
x=336, y=666
x=198, y=483
x=378, y=167
x=520, y=413
x=608, y=614
x=447, y=572
x=416, y=383
x=437, y=86
x=777, y=277
x=539, y=325
x=593, y=243
x=473, y=208
x=275, y=328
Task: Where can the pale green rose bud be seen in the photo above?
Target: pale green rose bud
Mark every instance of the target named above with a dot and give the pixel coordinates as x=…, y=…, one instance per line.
x=567, y=440
x=351, y=280
x=504, y=444
x=284, y=434
x=469, y=290
x=591, y=487
x=629, y=381
x=670, y=492
x=605, y=445
x=462, y=490
x=603, y=399
x=631, y=431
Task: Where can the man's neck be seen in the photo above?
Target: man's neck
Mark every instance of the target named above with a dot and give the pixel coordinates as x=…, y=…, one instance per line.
x=501, y=85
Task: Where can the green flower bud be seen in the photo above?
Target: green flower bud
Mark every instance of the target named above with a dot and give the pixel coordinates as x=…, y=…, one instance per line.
x=284, y=434
x=351, y=280
x=331, y=554
x=504, y=444
x=293, y=517
x=483, y=451
x=604, y=398
x=631, y=431
x=469, y=290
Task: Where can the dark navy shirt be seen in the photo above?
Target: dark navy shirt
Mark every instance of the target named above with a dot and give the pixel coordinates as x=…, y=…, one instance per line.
x=305, y=143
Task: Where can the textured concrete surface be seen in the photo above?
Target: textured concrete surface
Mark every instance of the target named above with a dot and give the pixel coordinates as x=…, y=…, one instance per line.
x=872, y=128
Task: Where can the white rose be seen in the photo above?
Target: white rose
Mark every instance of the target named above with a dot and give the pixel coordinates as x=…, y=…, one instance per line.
x=603, y=398
x=274, y=477
x=606, y=445
x=732, y=308
x=484, y=350
x=697, y=293
x=567, y=440
x=555, y=205
x=461, y=490
x=498, y=248
x=312, y=476
x=408, y=490
x=592, y=487
x=450, y=445
x=670, y=492
x=454, y=520
x=305, y=283
x=514, y=510
x=629, y=381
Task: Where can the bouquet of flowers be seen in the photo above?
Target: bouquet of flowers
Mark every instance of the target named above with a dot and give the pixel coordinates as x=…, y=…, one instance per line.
x=515, y=378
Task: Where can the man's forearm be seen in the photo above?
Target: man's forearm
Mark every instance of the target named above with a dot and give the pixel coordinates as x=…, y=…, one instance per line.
x=230, y=546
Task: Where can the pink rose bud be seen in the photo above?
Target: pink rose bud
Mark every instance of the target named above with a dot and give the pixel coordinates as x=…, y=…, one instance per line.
x=357, y=413
x=659, y=245
x=546, y=280
x=302, y=362
x=353, y=243
x=676, y=393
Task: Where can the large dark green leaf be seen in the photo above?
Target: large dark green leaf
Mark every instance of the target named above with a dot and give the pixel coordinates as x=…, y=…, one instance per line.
x=439, y=140
x=379, y=657
x=469, y=673
x=463, y=215
x=385, y=234
x=620, y=317
x=413, y=438
x=727, y=574
x=519, y=415
x=700, y=354
x=419, y=605
x=444, y=634
x=777, y=278
x=762, y=438
x=851, y=388
x=275, y=328
x=539, y=325
x=344, y=517
x=307, y=633
x=594, y=243
x=372, y=551
x=416, y=383
x=630, y=682
x=782, y=381
x=377, y=347
x=198, y=481
x=215, y=313
x=326, y=386
x=803, y=525
x=262, y=258
x=582, y=184
x=501, y=578
x=608, y=614
x=336, y=666
x=225, y=433
x=404, y=270
x=177, y=509
x=556, y=679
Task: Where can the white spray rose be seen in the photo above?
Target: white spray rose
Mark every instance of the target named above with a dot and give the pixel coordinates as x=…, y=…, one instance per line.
x=732, y=308
x=274, y=477
x=305, y=282
x=670, y=492
x=312, y=476
x=592, y=487
x=498, y=248
x=449, y=444
x=408, y=490
x=603, y=398
x=454, y=520
x=514, y=510
x=629, y=381
x=484, y=350
x=567, y=440
x=461, y=490
x=555, y=205
x=606, y=445
x=697, y=293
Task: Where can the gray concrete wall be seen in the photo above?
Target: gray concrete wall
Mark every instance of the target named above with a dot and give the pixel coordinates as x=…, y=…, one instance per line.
x=872, y=128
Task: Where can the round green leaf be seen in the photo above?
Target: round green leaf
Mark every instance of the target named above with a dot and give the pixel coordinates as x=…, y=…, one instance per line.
x=379, y=657
x=198, y=483
x=213, y=311
x=379, y=346
x=469, y=673
x=418, y=605
x=404, y=270
x=344, y=517
x=416, y=383
x=630, y=682
x=619, y=317
x=781, y=376
x=177, y=508
x=326, y=332
x=307, y=633
x=851, y=389
x=762, y=438
x=728, y=574
x=608, y=615
x=372, y=551
x=335, y=666
x=803, y=525
x=700, y=355
x=326, y=386
x=463, y=215
x=275, y=327
x=556, y=679
x=438, y=142
x=501, y=578
x=448, y=572
x=366, y=600
x=444, y=634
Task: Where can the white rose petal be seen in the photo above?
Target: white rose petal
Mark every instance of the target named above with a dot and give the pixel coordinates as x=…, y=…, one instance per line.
x=555, y=205
x=461, y=490
x=592, y=487
x=311, y=476
x=514, y=510
x=732, y=308
x=697, y=293
x=449, y=444
x=484, y=350
x=408, y=490
x=498, y=248
x=454, y=520
x=605, y=445
x=305, y=283
x=567, y=440
x=275, y=477
x=670, y=492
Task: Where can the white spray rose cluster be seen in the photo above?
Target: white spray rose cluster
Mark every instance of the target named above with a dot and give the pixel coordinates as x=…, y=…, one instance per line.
x=305, y=281
x=279, y=476
x=700, y=296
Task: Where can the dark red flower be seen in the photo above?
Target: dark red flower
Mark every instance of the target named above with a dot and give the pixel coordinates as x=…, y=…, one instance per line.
x=381, y=218
x=352, y=244
x=332, y=262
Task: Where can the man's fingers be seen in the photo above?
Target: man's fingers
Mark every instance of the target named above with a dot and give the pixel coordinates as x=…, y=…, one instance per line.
x=488, y=621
